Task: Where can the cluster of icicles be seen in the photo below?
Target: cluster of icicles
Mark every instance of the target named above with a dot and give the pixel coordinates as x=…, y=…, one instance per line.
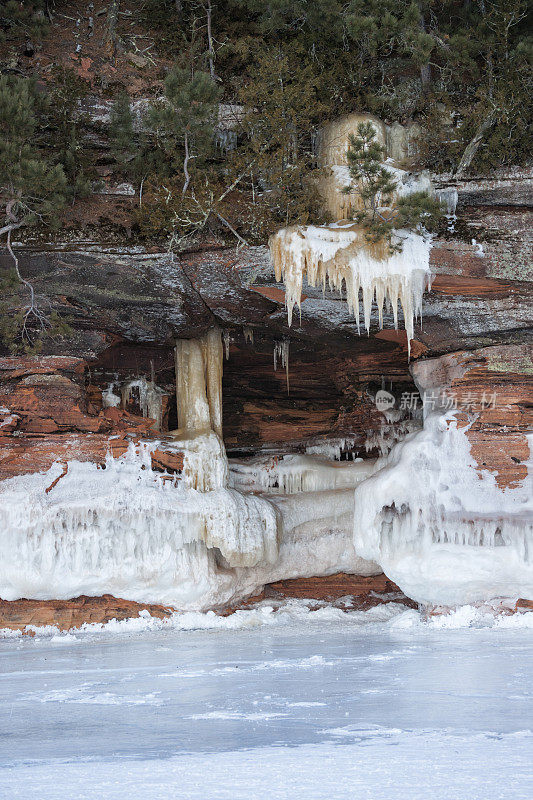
x=339, y=255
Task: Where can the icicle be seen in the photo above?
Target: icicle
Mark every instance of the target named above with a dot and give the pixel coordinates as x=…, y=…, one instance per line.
x=281, y=352
x=389, y=434
x=449, y=197
x=340, y=253
x=292, y=474
x=332, y=448
x=248, y=335
x=226, y=335
x=149, y=397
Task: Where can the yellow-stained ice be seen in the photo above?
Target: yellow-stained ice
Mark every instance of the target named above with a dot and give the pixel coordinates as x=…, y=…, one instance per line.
x=199, y=382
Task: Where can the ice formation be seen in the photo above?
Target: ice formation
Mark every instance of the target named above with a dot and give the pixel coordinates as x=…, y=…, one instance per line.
x=126, y=531
x=449, y=196
x=335, y=173
x=442, y=532
x=389, y=434
x=281, y=355
x=339, y=255
x=332, y=448
x=291, y=474
x=205, y=465
x=137, y=534
x=109, y=398
x=339, y=205
x=248, y=334
x=316, y=537
x=199, y=382
x=335, y=136
x=147, y=394
x=226, y=335
x=191, y=540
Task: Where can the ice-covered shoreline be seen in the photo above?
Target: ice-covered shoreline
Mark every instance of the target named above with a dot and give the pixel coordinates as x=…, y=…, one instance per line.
x=294, y=613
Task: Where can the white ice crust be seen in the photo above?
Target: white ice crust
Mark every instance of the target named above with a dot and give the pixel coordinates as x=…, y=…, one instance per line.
x=134, y=533
x=445, y=533
x=125, y=531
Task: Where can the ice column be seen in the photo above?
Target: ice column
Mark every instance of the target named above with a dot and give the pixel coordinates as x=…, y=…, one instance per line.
x=199, y=382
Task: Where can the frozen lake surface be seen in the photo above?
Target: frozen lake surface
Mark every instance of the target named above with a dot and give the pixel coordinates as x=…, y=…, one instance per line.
x=298, y=704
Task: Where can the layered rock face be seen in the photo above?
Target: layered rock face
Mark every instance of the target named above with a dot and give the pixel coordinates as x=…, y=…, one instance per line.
x=111, y=384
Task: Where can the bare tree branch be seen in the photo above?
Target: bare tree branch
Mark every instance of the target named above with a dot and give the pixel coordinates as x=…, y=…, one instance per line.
x=473, y=146
x=32, y=311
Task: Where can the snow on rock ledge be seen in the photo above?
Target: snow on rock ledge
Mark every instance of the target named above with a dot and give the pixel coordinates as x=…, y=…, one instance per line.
x=128, y=531
x=339, y=255
x=124, y=530
x=444, y=534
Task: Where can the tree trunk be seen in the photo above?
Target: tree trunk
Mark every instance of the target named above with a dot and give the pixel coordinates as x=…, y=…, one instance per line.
x=473, y=145
x=110, y=36
x=211, y=51
x=186, y=166
x=425, y=69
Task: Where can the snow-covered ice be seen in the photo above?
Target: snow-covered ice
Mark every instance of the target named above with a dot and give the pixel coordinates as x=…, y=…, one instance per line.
x=289, y=704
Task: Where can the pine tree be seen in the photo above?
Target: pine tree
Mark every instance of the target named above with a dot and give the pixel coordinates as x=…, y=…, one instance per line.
x=64, y=130
x=122, y=135
x=282, y=114
x=18, y=18
x=31, y=188
x=383, y=213
x=184, y=124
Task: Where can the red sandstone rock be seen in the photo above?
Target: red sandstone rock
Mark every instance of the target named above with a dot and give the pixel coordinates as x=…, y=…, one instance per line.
x=493, y=387
x=47, y=394
x=66, y=614
x=37, y=453
x=355, y=591
x=167, y=460
x=361, y=593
